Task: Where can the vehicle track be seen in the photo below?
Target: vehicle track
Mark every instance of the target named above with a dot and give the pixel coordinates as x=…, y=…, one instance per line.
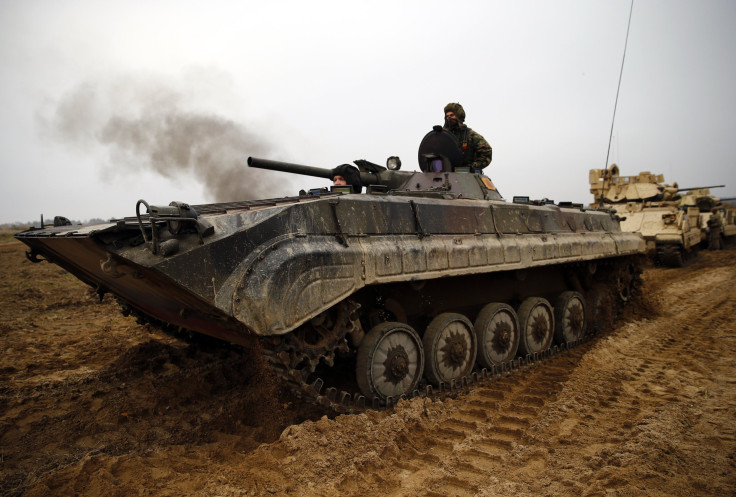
x=287, y=363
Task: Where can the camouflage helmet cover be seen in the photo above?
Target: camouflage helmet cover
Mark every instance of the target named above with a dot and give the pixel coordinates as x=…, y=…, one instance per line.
x=457, y=109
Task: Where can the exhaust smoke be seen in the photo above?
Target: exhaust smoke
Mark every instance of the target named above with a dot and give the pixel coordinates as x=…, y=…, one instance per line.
x=153, y=126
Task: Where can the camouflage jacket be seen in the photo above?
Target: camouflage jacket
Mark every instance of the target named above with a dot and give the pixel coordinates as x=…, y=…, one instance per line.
x=477, y=153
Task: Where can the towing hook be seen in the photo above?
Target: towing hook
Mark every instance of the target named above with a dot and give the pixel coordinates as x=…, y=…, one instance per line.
x=33, y=256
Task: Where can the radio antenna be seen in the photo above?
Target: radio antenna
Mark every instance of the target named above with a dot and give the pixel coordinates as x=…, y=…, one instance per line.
x=610, y=137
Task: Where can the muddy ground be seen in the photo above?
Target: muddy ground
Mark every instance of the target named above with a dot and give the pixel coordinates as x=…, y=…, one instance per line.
x=93, y=404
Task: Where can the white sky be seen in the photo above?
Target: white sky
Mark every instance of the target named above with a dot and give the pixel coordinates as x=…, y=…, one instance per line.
x=324, y=83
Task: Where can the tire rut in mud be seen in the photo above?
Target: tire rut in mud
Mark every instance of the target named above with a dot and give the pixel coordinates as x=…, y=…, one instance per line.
x=454, y=456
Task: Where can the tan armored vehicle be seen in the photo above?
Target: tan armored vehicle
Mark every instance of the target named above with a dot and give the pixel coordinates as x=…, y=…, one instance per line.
x=716, y=219
x=359, y=299
x=648, y=206
x=727, y=212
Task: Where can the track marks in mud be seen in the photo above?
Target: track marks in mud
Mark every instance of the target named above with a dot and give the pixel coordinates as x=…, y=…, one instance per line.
x=649, y=386
x=480, y=433
x=527, y=427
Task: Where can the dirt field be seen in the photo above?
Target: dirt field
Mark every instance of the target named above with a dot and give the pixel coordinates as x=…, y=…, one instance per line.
x=93, y=404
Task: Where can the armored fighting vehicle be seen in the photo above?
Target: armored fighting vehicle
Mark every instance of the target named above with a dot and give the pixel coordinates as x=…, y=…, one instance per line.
x=727, y=213
x=359, y=299
x=648, y=206
x=715, y=220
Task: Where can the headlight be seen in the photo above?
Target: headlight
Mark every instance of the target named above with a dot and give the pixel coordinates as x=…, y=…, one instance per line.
x=393, y=163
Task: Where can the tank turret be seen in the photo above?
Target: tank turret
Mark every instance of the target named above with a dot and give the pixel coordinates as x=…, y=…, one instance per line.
x=608, y=187
x=672, y=223
x=441, y=173
x=700, y=197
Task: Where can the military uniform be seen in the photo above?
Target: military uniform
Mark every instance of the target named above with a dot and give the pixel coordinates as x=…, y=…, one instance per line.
x=715, y=228
x=477, y=153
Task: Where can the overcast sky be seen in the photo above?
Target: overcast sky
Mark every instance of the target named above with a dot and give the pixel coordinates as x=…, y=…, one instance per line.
x=106, y=102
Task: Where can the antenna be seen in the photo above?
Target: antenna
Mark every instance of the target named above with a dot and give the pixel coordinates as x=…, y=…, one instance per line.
x=619, y=84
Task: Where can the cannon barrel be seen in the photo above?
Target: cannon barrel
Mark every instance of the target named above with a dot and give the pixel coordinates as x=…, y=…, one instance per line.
x=318, y=172
x=289, y=167
x=699, y=188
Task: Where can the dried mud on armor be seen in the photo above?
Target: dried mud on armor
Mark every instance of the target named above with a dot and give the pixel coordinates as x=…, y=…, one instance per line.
x=92, y=403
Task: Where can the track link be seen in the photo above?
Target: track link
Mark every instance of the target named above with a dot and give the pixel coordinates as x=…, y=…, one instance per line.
x=344, y=402
x=624, y=285
x=297, y=369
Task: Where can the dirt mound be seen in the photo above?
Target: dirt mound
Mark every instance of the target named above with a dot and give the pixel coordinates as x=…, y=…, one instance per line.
x=93, y=403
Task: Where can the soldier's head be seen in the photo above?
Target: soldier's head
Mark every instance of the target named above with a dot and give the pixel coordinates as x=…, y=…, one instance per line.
x=454, y=114
x=346, y=174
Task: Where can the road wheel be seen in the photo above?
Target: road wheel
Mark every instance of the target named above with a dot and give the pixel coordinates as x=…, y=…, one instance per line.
x=390, y=361
x=497, y=332
x=599, y=308
x=569, y=317
x=536, y=323
x=450, y=347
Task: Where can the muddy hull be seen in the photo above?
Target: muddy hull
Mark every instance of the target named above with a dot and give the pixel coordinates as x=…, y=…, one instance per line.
x=371, y=282
x=142, y=288
x=269, y=269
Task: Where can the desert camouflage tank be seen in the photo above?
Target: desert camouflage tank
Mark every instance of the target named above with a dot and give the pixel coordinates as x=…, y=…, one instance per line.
x=716, y=219
x=648, y=206
x=358, y=299
x=727, y=213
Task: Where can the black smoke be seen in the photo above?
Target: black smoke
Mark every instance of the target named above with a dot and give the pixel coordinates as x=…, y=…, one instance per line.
x=150, y=126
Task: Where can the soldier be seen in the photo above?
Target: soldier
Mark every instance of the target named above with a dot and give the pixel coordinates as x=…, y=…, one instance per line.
x=346, y=174
x=715, y=228
x=477, y=153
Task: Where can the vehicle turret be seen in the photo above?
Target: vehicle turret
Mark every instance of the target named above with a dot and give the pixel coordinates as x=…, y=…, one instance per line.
x=700, y=197
x=608, y=187
x=673, y=220
x=441, y=172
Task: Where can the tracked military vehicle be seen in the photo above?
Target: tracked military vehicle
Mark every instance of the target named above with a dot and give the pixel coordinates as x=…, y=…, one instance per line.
x=715, y=219
x=413, y=286
x=727, y=213
x=648, y=206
